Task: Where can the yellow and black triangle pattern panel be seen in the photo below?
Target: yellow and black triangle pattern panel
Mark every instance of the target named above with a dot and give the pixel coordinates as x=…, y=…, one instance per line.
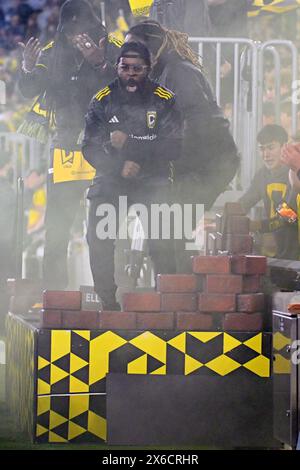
x=281, y=353
x=78, y=361
x=20, y=372
x=272, y=6
x=71, y=418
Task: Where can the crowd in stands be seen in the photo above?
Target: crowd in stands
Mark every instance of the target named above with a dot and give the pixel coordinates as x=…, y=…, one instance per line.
x=20, y=20
x=23, y=19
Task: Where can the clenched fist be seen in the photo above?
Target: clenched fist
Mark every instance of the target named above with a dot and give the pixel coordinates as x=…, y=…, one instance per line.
x=130, y=169
x=118, y=139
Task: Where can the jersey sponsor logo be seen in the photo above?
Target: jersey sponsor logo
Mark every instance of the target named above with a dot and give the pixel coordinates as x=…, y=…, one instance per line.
x=102, y=93
x=163, y=93
x=114, y=120
x=143, y=137
x=151, y=119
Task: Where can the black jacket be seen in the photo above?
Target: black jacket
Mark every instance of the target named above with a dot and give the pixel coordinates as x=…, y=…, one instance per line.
x=73, y=92
x=209, y=148
x=151, y=121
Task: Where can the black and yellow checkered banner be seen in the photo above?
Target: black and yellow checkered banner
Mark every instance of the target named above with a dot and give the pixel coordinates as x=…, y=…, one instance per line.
x=71, y=418
x=57, y=378
x=78, y=361
x=72, y=367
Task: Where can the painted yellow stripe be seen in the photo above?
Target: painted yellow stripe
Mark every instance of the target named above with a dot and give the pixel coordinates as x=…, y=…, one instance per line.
x=161, y=96
x=103, y=95
x=164, y=91
x=42, y=65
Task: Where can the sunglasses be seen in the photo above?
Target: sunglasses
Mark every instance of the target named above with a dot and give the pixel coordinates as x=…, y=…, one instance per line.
x=135, y=68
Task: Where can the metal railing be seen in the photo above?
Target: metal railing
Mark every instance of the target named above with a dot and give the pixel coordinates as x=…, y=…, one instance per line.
x=271, y=46
x=246, y=89
x=26, y=153
x=248, y=66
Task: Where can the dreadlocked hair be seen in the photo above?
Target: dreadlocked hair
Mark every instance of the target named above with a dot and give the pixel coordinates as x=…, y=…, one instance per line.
x=161, y=39
x=179, y=43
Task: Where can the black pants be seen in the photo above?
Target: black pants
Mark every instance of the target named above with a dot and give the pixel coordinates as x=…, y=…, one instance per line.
x=63, y=202
x=102, y=250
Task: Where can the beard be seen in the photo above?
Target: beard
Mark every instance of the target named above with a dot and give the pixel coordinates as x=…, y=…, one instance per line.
x=132, y=86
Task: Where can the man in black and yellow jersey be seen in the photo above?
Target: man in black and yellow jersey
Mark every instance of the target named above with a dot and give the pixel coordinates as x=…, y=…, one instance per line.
x=133, y=130
x=271, y=185
x=65, y=75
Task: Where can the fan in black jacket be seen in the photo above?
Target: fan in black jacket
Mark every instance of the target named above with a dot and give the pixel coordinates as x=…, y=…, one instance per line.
x=133, y=130
x=65, y=75
x=210, y=158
